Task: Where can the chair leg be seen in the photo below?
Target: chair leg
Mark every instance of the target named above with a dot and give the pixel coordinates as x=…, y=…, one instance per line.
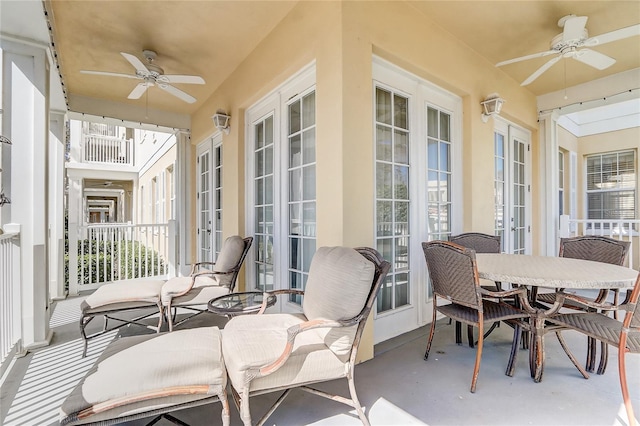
x=169, y=317
x=622, y=372
x=245, y=412
x=591, y=355
x=356, y=402
x=511, y=365
x=476, y=368
x=226, y=418
x=458, y=332
x=604, y=357
x=470, y=335
x=431, y=332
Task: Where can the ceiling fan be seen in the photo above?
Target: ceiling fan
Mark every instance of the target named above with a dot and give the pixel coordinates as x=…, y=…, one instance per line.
x=574, y=42
x=152, y=75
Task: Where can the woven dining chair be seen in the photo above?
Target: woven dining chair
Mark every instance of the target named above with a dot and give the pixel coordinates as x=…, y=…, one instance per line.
x=598, y=249
x=481, y=243
x=625, y=334
x=454, y=277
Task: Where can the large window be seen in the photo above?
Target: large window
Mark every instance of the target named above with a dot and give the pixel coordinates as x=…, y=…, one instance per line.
x=611, y=186
x=217, y=207
x=392, y=195
x=439, y=173
x=560, y=182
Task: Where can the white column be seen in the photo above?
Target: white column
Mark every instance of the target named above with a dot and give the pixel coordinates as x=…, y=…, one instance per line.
x=74, y=218
x=25, y=104
x=56, y=204
x=183, y=201
x=548, y=201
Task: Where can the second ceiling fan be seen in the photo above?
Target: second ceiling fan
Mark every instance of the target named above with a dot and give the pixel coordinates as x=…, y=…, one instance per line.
x=152, y=75
x=574, y=42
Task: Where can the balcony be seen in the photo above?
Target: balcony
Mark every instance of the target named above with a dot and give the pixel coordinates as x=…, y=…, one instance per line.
x=107, y=150
x=397, y=387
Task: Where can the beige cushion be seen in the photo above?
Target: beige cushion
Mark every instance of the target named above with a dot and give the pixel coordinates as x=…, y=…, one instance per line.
x=131, y=366
x=199, y=296
x=135, y=290
x=339, y=282
x=255, y=340
x=230, y=254
x=179, y=285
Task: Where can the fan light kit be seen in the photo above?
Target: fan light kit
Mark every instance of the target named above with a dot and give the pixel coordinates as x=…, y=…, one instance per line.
x=573, y=42
x=152, y=75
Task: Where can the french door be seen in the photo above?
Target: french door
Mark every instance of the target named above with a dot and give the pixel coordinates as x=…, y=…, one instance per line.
x=512, y=187
x=416, y=140
x=209, y=198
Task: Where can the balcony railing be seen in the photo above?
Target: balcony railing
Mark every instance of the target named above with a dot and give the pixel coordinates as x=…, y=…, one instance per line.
x=626, y=230
x=10, y=304
x=113, y=252
x=107, y=150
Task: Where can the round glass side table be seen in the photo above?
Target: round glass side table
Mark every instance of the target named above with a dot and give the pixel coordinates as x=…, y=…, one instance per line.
x=232, y=304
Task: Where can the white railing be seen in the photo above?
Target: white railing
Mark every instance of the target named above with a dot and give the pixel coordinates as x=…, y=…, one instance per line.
x=107, y=149
x=625, y=230
x=113, y=252
x=10, y=311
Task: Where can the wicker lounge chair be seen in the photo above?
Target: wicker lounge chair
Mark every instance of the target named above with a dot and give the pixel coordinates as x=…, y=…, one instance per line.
x=150, y=375
x=598, y=249
x=279, y=352
x=454, y=277
x=625, y=334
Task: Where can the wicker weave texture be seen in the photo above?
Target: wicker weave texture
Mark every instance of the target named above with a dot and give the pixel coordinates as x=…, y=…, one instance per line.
x=596, y=248
x=451, y=268
x=600, y=327
x=481, y=243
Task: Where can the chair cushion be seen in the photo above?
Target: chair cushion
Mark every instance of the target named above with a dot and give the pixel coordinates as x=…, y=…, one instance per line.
x=339, y=282
x=132, y=366
x=134, y=290
x=255, y=340
x=179, y=285
x=230, y=254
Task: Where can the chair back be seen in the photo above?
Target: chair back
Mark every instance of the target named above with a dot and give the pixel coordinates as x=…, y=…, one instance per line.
x=229, y=261
x=481, y=243
x=453, y=272
x=342, y=285
x=596, y=248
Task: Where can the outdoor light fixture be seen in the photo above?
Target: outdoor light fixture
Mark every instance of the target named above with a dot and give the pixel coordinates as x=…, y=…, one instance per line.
x=221, y=121
x=4, y=200
x=5, y=139
x=491, y=106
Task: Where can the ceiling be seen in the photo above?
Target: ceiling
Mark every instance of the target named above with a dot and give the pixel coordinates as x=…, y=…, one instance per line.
x=211, y=38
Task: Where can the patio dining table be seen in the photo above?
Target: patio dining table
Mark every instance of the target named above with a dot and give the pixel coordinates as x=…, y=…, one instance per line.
x=553, y=272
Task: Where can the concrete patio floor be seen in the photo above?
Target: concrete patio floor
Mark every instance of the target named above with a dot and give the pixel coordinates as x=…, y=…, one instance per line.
x=397, y=387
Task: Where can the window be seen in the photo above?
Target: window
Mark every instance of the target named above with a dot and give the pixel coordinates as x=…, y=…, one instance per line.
x=156, y=200
x=439, y=173
x=162, y=207
x=142, y=206
x=392, y=195
x=301, y=113
x=611, y=186
x=217, y=208
x=172, y=193
x=499, y=184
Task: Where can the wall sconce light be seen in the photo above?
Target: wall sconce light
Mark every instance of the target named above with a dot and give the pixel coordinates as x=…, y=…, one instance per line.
x=4, y=200
x=491, y=106
x=5, y=139
x=221, y=121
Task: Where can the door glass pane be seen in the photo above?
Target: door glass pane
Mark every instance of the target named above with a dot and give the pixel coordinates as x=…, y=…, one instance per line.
x=263, y=209
x=439, y=173
x=393, y=196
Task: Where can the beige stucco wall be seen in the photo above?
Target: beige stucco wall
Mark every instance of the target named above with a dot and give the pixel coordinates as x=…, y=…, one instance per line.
x=144, y=181
x=341, y=38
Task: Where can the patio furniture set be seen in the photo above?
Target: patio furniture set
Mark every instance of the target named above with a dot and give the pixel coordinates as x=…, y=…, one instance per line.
x=153, y=375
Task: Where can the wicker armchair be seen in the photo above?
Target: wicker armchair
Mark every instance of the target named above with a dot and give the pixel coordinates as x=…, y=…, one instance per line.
x=281, y=351
x=598, y=249
x=624, y=335
x=481, y=243
x=454, y=277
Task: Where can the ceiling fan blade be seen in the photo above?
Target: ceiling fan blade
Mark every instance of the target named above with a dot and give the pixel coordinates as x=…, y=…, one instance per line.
x=626, y=32
x=177, y=92
x=540, y=70
x=574, y=28
x=110, y=74
x=189, y=79
x=524, y=58
x=137, y=63
x=594, y=59
x=138, y=91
